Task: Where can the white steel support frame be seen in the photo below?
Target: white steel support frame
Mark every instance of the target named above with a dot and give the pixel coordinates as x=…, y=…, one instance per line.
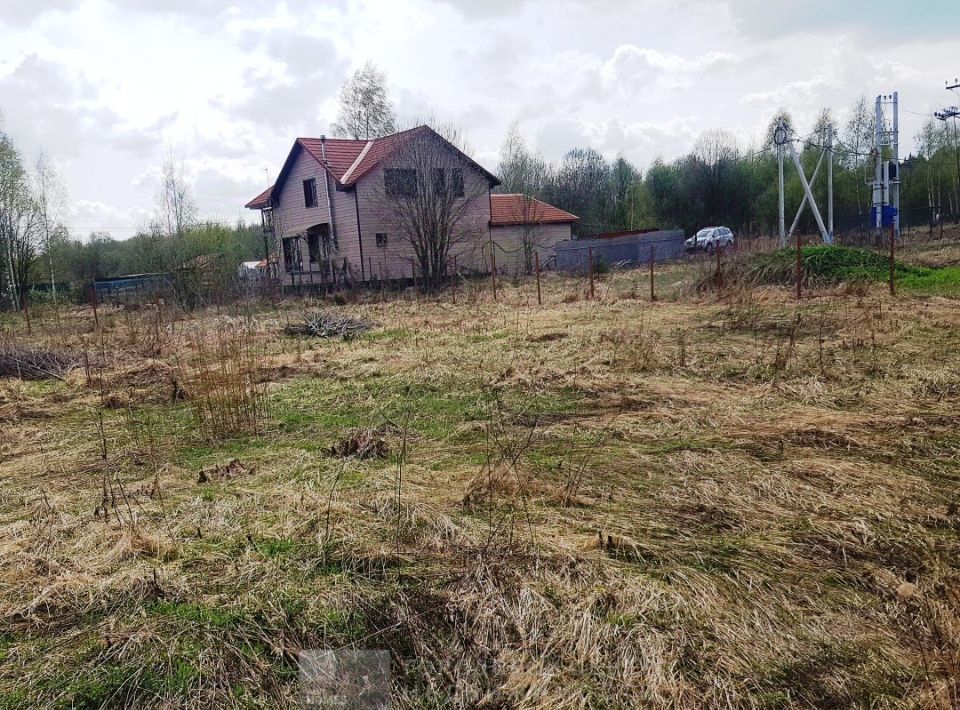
x=827, y=239
x=781, y=140
x=803, y=202
x=829, y=181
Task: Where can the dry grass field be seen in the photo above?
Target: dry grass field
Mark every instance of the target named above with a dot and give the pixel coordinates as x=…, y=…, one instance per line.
x=724, y=499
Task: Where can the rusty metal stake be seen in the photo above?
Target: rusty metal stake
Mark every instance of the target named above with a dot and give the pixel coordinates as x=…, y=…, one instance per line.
x=536, y=260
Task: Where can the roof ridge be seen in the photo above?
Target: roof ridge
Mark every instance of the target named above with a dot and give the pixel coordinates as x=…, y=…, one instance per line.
x=356, y=162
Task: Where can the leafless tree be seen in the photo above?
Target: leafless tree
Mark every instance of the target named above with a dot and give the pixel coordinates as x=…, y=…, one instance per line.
x=19, y=221
x=176, y=209
x=365, y=108
x=524, y=173
x=520, y=170
x=428, y=189
x=51, y=200
x=859, y=139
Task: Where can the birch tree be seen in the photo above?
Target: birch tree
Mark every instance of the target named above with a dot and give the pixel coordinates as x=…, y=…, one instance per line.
x=51, y=200
x=365, y=108
x=19, y=221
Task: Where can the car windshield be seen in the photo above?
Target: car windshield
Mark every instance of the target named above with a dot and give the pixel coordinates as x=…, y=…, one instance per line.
x=705, y=232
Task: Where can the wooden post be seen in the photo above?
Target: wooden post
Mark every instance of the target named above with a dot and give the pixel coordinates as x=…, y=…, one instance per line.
x=590, y=269
x=799, y=274
x=536, y=262
x=893, y=262
x=454, y=279
x=719, y=276
x=493, y=269
x=93, y=294
x=653, y=296
x=26, y=310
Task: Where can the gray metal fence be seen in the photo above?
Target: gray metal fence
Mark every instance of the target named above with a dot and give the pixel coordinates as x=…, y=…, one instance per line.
x=630, y=250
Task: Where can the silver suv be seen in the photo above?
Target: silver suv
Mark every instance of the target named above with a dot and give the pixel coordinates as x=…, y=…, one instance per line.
x=709, y=239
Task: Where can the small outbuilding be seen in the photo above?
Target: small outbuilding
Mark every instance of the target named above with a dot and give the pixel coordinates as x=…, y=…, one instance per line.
x=522, y=226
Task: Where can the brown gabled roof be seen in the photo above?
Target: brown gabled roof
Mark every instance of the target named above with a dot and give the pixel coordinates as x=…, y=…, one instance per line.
x=261, y=200
x=349, y=160
x=516, y=209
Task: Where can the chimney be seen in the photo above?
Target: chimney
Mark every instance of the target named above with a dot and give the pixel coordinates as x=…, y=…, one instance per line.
x=323, y=148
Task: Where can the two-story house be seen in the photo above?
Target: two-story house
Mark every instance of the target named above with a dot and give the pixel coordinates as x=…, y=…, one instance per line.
x=331, y=211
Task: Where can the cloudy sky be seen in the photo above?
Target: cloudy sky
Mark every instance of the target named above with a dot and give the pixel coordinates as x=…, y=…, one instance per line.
x=107, y=87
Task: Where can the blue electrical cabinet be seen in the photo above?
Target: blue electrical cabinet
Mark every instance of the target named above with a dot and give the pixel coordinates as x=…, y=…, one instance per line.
x=889, y=215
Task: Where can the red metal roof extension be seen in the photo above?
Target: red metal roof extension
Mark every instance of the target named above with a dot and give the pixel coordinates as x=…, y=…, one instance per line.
x=261, y=200
x=519, y=209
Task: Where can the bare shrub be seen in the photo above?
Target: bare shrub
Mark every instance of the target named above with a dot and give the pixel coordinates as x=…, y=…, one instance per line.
x=225, y=383
x=329, y=325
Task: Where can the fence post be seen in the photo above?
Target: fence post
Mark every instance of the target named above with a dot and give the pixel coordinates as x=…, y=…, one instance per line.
x=93, y=293
x=453, y=281
x=536, y=260
x=653, y=296
x=26, y=310
x=799, y=265
x=590, y=267
x=893, y=263
x=493, y=269
x=719, y=272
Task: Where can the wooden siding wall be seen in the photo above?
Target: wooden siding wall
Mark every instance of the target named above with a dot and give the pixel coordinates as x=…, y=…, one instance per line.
x=292, y=216
x=394, y=261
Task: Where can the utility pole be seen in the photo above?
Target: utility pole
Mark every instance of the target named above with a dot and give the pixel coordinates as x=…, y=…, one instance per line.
x=878, y=166
x=886, y=178
x=893, y=180
x=780, y=138
x=947, y=113
x=829, y=181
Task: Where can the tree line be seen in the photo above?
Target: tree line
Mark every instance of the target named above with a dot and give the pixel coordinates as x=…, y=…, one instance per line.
x=722, y=181
x=38, y=253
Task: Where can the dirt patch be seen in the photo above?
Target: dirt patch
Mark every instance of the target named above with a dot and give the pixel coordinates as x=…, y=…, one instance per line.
x=153, y=382
x=547, y=337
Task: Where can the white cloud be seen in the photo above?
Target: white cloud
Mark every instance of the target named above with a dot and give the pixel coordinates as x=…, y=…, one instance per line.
x=108, y=86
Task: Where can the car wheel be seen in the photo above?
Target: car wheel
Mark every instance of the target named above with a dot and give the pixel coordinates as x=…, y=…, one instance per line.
x=710, y=248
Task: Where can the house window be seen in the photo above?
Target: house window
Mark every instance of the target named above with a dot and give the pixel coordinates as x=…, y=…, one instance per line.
x=313, y=247
x=310, y=192
x=382, y=240
x=439, y=182
x=400, y=182
x=456, y=178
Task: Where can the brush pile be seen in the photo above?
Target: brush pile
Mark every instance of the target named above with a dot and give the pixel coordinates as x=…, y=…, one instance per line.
x=363, y=444
x=36, y=363
x=329, y=325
